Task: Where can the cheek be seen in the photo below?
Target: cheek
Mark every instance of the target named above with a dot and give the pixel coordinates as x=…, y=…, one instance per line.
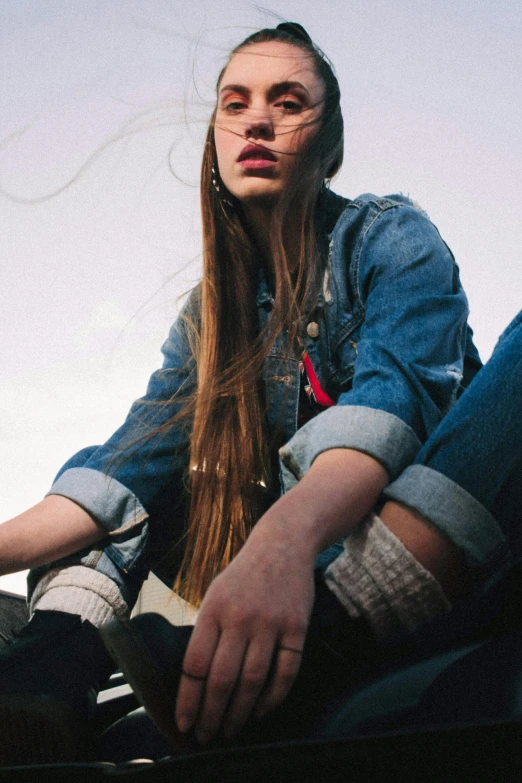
x=225, y=146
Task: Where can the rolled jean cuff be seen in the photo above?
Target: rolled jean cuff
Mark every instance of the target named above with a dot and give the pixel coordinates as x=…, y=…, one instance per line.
x=378, y=433
x=457, y=514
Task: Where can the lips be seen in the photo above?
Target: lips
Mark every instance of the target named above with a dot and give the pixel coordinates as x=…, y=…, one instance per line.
x=256, y=152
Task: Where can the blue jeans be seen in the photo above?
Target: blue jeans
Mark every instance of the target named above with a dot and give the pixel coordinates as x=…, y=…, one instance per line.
x=467, y=481
x=467, y=478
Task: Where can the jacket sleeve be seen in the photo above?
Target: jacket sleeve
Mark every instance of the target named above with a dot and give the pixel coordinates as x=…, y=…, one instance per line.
x=409, y=348
x=118, y=482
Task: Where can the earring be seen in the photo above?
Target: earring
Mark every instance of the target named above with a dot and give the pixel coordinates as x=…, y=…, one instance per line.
x=217, y=187
x=214, y=179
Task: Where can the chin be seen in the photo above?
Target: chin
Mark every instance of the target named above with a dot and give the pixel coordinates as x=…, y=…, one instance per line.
x=258, y=195
x=250, y=189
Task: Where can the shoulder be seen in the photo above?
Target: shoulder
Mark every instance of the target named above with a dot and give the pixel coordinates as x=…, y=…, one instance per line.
x=394, y=225
x=386, y=234
x=360, y=213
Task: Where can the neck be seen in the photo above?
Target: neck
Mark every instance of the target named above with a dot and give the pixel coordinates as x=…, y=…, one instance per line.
x=259, y=218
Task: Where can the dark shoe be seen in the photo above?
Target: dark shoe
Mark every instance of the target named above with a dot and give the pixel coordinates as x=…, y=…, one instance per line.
x=49, y=678
x=149, y=650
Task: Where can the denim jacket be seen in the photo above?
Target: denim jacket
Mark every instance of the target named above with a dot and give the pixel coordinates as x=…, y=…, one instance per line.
x=389, y=342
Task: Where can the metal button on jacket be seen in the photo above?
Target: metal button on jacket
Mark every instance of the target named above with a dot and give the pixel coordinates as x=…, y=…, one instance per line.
x=312, y=329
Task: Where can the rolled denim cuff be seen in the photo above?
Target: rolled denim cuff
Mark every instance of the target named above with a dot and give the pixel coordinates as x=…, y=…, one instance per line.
x=457, y=514
x=111, y=504
x=375, y=432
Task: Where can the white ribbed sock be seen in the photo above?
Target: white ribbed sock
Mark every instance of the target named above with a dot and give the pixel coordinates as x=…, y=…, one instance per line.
x=79, y=590
x=377, y=578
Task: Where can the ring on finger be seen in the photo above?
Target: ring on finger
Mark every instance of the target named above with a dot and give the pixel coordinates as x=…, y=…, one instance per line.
x=193, y=676
x=289, y=649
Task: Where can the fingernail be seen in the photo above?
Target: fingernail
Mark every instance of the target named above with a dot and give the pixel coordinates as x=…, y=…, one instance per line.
x=183, y=723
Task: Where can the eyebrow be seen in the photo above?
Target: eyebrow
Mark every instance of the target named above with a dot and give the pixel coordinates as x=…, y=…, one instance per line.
x=273, y=92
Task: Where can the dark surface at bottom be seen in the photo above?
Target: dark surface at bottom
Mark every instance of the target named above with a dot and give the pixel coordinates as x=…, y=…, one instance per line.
x=471, y=753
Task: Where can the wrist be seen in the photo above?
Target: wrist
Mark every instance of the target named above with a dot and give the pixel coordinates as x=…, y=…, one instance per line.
x=286, y=526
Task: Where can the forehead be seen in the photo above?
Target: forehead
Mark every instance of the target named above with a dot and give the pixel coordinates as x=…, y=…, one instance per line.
x=273, y=62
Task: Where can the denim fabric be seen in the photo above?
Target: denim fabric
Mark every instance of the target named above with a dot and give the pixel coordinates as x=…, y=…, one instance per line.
x=130, y=552
x=375, y=432
x=390, y=344
x=393, y=339
x=467, y=478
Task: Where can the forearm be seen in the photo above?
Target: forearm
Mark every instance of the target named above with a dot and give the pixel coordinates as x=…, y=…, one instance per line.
x=341, y=487
x=54, y=528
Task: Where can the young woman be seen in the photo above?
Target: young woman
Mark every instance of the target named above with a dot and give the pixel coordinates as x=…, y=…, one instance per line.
x=326, y=342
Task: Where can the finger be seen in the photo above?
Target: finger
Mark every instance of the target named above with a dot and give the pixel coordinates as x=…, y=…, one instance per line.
x=287, y=664
x=195, y=669
x=256, y=667
x=225, y=672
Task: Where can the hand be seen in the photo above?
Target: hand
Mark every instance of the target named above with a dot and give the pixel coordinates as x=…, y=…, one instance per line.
x=261, y=603
x=245, y=650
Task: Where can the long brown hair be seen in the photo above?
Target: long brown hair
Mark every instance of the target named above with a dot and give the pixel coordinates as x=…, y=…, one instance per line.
x=230, y=454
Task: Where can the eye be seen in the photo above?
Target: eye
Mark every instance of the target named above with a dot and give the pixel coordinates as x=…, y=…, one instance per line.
x=234, y=106
x=290, y=106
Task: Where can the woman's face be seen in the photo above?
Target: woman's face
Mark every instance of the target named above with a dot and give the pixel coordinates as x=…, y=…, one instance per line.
x=269, y=101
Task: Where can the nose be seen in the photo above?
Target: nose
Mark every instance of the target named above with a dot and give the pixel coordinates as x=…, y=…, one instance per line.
x=259, y=125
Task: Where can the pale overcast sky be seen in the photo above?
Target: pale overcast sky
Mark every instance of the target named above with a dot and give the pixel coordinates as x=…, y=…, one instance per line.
x=90, y=278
